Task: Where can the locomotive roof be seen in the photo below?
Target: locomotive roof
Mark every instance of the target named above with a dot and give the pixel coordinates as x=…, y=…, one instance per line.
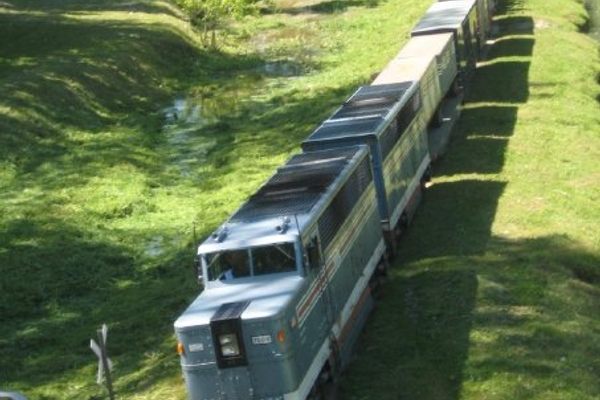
x=445, y=16
x=366, y=112
x=292, y=193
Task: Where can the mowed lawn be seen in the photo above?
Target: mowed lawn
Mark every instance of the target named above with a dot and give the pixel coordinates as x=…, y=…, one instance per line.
x=103, y=196
x=496, y=294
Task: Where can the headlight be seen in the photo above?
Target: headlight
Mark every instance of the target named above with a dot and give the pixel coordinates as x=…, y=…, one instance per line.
x=229, y=345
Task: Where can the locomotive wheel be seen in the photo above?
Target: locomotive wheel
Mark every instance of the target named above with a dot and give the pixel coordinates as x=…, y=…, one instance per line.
x=325, y=387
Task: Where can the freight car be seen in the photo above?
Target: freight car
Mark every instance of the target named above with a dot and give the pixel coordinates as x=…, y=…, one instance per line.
x=424, y=71
x=440, y=48
x=459, y=18
x=286, y=282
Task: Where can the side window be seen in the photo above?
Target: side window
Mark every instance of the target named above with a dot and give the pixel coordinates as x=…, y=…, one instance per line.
x=313, y=254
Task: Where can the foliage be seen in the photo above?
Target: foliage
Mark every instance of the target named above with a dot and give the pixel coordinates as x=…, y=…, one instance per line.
x=210, y=14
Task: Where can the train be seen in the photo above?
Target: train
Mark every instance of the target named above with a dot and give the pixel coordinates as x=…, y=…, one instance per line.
x=288, y=279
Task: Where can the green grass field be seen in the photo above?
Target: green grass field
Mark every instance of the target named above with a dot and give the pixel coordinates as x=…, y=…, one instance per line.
x=103, y=195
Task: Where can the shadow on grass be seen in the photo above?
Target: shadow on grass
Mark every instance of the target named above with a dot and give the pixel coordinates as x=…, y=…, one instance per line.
x=420, y=338
x=418, y=341
x=489, y=116
x=74, y=6
x=324, y=7
x=59, y=283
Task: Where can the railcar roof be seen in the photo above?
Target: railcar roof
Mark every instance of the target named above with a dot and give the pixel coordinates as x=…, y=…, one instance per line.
x=390, y=92
x=444, y=16
x=347, y=127
x=425, y=46
x=412, y=68
x=365, y=112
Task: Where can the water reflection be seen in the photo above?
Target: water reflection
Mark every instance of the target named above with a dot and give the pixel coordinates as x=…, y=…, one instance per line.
x=184, y=121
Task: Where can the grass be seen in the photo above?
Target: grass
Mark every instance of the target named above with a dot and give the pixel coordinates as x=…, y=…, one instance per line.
x=496, y=292
x=101, y=204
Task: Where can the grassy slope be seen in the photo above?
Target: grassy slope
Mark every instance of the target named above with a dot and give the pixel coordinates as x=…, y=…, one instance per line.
x=497, y=292
x=100, y=207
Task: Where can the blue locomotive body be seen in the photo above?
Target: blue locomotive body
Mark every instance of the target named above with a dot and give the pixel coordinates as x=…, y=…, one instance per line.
x=303, y=250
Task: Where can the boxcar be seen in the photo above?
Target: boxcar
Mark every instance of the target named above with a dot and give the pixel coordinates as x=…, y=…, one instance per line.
x=483, y=20
x=459, y=18
x=286, y=282
x=441, y=47
x=423, y=69
x=385, y=117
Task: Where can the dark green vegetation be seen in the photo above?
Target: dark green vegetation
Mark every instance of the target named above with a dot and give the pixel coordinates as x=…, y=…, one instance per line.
x=496, y=294
x=101, y=204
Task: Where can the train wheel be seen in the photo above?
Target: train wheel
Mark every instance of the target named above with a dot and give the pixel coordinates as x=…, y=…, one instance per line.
x=427, y=175
x=456, y=89
x=324, y=387
x=438, y=118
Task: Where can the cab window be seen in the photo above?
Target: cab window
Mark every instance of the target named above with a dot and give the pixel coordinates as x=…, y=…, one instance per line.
x=241, y=263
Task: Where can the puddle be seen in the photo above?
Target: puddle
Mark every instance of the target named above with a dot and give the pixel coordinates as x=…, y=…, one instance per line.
x=154, y=248
x=196, y=123
x=281, y=68
x=184, y=121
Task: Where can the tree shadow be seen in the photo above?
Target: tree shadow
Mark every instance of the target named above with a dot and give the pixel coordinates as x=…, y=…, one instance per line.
x=74, y=6
x=59, y=283
x=323, y=7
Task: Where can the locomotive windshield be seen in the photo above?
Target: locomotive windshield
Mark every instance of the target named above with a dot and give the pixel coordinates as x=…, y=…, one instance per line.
x=240, y=263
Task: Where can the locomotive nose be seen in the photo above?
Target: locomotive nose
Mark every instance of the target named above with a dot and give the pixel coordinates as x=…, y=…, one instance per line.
x=226, y=330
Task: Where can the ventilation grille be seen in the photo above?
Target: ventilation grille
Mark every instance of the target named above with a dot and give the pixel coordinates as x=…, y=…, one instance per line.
x=297, y=186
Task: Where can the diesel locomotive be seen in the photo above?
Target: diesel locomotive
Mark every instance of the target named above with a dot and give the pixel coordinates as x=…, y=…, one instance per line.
x=288, y=278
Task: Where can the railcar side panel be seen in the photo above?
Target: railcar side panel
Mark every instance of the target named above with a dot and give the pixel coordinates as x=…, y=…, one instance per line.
x=422, y=69
x=440, y=46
